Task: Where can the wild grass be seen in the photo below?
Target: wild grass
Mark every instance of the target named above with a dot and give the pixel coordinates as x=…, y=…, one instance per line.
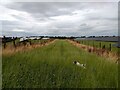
x=98, y=51
x=52, y=67
x=17, y=42
x=97, y=44
x=10, y=49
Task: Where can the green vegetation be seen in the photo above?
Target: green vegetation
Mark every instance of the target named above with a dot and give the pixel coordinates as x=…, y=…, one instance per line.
x=41, y=41
x=100, y=44
x=10, y=44
x=52, y=67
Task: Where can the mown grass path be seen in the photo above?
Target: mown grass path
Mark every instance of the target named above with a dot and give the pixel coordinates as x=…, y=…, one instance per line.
x=52, y=67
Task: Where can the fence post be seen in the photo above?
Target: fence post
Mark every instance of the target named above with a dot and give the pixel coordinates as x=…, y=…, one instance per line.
x=4, y=42
x=100, y=44
x=24, y=42
x=14, y=42
x=110, y=46
x=103, y=47
x=93, y=43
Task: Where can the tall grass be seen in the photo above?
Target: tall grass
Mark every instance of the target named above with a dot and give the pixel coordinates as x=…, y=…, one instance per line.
x=52, y=67
x=97, y=44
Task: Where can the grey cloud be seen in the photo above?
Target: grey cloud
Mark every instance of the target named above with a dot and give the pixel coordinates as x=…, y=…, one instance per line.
x=12, y=33
x=92, y=23
x=10, y=25
x=43, y=9
x=84, y=24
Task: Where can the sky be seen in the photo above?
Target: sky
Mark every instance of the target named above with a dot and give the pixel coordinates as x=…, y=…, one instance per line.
x=59, y=18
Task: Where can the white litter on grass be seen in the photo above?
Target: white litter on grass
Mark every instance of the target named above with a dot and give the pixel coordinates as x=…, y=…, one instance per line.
x=78, y=64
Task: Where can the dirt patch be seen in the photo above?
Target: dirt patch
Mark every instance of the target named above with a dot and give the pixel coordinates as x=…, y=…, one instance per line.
x=100, y=52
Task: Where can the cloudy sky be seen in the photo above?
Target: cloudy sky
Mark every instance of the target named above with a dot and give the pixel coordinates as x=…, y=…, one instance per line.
x=59, y=18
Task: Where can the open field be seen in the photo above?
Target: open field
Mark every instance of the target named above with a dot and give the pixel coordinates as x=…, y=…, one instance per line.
x=20, y=47
x=97, y=44
x=17, y=42
x=52, y=67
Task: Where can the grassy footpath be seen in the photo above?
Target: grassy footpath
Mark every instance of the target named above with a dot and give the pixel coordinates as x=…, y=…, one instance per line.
x=52, y=67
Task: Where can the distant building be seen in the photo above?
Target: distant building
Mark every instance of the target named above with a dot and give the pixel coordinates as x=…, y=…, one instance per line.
x=45, y=38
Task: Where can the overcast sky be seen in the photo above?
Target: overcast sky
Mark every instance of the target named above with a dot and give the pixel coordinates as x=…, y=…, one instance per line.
x=61, y=18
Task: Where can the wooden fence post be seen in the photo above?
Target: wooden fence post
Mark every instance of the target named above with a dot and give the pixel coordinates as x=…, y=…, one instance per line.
x=110, y=46
x=93, y=43
x=14, y=42
x=4, y=42
x=103, y=47
x=24, y=42
x=100, y=44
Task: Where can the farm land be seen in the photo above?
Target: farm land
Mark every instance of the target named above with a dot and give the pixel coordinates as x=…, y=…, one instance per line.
x=49, y=64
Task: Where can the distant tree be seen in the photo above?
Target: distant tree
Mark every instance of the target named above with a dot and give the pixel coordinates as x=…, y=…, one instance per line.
x=83, y=36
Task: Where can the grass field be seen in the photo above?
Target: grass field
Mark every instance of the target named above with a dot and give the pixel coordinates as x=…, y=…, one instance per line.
x=97, y=44
x=52, y=67
x=10, y=44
